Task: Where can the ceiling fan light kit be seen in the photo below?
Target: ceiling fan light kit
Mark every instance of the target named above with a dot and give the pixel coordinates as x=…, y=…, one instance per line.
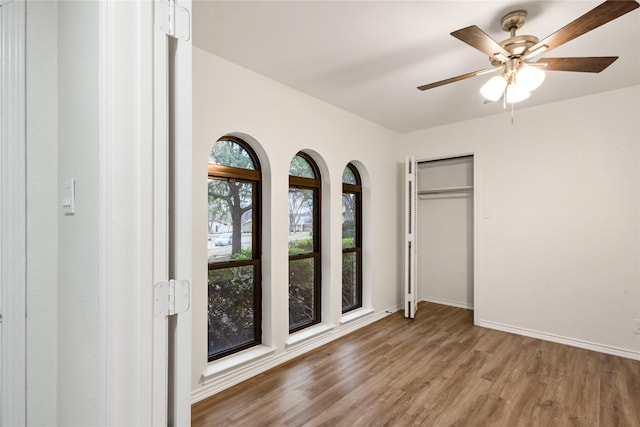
x=519, y=75
x=516, y=83
x=530, y=77
x=494, y=88
x=516, y=93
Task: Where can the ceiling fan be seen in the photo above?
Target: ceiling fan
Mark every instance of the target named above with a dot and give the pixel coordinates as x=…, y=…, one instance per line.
x=514, y=56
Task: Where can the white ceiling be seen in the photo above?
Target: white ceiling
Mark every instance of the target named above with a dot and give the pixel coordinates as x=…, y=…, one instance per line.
x=368, y=57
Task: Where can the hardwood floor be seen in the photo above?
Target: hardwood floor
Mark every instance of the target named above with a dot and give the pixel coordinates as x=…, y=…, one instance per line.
x=436, y=370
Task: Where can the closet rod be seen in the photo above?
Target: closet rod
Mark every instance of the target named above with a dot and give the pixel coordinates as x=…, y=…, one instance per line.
x=446, y=190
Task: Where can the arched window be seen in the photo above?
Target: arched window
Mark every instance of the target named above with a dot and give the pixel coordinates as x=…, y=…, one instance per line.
x=234, y=285
x=304, y=243
x=351, y=239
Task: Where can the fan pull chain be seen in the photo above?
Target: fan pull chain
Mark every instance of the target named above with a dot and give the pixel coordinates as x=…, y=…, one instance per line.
x=512, y=114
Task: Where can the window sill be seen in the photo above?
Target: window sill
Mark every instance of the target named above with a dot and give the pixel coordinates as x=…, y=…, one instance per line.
x=355, y=315
x=237, y=360
x=304, y=335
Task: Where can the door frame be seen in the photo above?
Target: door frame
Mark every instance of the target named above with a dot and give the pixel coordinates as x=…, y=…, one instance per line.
x=13, y=190
x=133, y=357
x=172, y=207
x=476, y=198
x=125, y=296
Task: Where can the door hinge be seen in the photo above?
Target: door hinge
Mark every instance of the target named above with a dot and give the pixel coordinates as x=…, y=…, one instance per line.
x=172, y=297
x=174, y=20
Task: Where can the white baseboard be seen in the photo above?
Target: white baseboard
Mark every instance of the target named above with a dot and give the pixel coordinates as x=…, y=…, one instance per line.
x=448, y=302
x=393, y=309
x=573, y=342
x=233, y=376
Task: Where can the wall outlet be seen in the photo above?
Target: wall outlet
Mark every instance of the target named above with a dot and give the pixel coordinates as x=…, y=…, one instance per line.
x=637, y=328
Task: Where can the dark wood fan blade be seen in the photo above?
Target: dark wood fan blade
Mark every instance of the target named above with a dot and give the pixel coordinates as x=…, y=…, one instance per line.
x=475, y=37
x=600, y=15
x=453, y=79
x=582, y=64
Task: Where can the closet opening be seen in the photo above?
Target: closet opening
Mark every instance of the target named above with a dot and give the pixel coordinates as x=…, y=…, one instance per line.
x=445, y=221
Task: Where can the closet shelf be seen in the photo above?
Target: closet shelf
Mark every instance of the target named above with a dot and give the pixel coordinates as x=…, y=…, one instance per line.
x=446, y=190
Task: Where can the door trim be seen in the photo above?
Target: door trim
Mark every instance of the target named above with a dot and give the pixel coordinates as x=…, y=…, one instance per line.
x=125, y=170
x=172, y=207
x=13, y=261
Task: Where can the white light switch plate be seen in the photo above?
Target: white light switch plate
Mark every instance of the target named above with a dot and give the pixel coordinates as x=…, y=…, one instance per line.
x=69, y=197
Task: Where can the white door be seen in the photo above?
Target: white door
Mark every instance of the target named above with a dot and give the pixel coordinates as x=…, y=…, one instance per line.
x=172, y=212
x=12, y=214
x=410, y=230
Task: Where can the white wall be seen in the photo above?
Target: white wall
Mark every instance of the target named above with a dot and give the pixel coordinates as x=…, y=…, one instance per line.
x=231, y=99
x=445, y=249
x=89, y=296
x=558, y=217
x=78, y=235
x=62, y=270
x=42, y=218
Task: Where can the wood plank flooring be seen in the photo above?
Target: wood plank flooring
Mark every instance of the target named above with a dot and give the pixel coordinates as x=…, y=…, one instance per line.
x=436, y=370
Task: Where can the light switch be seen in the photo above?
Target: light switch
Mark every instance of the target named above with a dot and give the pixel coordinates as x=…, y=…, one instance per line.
x=69, y=197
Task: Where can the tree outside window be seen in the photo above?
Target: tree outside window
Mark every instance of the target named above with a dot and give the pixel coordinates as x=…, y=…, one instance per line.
x=234, y=284
x=304, y=243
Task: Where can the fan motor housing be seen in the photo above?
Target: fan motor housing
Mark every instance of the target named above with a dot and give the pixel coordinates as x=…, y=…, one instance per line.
x=515, y=45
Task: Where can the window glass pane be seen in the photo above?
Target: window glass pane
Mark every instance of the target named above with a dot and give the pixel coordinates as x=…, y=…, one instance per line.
x=301, y=295
x=349, y=210
x=349, y=280
x=300, y=221
x=351, y=240
x=231, y=308
x=230, y=153
x=348, y=177
x=301, y=167
x=230, y=222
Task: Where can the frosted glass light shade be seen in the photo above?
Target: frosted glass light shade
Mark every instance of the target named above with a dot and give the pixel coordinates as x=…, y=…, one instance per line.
x=516, y=93
x=494, y=88
x=530, y=77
